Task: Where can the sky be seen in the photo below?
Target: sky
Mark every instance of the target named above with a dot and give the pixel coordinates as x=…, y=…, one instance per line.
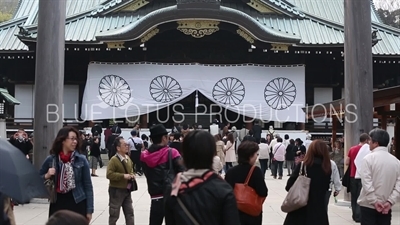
x=387, y=4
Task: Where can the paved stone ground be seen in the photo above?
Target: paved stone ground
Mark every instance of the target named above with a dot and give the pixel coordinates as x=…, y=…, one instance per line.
x=37, y=214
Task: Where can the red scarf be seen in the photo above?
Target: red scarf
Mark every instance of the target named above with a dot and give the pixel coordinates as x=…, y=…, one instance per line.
x=65, y=158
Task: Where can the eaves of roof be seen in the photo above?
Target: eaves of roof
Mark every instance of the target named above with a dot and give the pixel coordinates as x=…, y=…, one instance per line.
x=8, y=40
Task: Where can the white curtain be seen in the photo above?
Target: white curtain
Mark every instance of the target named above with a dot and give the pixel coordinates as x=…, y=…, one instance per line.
x=274, y=93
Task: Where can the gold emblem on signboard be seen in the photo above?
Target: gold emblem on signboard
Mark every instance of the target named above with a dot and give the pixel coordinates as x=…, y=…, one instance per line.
x=198, y=28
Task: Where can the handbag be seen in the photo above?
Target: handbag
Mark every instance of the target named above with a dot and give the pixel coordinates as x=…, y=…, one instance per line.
x=50, y=185
x=247, y=199
x=186, y=211
x=132, y=184
x=297, y=196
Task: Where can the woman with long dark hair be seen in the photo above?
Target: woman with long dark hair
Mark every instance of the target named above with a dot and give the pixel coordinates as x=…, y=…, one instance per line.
x=317, y=165
x=71, y=175
x=247, y=157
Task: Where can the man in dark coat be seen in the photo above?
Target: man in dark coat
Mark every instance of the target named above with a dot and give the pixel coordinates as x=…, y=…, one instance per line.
x=257, y=130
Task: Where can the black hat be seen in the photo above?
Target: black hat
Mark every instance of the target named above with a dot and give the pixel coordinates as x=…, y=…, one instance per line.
x=158, y=130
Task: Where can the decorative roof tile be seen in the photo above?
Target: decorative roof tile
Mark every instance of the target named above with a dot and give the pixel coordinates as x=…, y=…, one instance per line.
x=285, y=6
x=8, y=40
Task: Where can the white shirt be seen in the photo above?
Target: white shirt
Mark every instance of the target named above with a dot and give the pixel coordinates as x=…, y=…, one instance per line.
x=380, y=178
x=364, y=150
x=263, y=151
x=273, y=143
x=279, y=151
x=335, y=177
x=286, y=143
x=214, y=130
x=217, y=164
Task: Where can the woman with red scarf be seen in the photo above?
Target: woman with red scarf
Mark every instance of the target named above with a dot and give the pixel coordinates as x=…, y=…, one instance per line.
x=70, y=173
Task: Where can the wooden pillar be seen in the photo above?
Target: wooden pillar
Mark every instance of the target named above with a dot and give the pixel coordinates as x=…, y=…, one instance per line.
x=334, y=129
x=358, y=71
x=397, y=133
x=49, y=76
x=144, y=123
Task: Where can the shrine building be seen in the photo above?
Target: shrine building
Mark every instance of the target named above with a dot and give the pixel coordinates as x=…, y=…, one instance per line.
x=275, y=34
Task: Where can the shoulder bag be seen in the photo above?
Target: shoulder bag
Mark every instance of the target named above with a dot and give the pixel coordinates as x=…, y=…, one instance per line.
x=169, y=175
x=247, y=199
x=186, y=211
x=273, y=155
x=132, y=184
x=297, y=196
x=50, y=184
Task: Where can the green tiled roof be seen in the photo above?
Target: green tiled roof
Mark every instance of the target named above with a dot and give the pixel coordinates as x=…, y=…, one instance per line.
x=8, y=40
x=9, y=98
x=332, y=10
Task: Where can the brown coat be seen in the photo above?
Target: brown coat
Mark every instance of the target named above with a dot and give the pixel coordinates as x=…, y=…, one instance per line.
x=8, y=210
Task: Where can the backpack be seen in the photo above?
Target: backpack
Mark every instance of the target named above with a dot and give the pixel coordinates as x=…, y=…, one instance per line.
x=138, y=146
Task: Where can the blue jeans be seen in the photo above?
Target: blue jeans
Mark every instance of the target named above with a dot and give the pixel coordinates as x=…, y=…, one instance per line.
x=278, y=167
x=264, y=165
x=228, y=165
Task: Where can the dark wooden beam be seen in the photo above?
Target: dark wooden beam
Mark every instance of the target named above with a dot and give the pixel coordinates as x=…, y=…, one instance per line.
x=49, y=79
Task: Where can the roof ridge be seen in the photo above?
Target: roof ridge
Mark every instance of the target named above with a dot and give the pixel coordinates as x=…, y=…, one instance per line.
x=284, y=6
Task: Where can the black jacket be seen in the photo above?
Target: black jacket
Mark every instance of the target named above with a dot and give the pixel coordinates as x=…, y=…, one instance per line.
x=257, y=130
x=97, y=130
x=24, y=146
x=315, y=212
x=95, y=150
x=211, y=202
x=290, y=152
x=155, y=166
x=110, y=146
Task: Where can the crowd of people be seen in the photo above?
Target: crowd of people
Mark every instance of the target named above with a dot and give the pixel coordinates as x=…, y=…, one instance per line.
x=200, y=177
